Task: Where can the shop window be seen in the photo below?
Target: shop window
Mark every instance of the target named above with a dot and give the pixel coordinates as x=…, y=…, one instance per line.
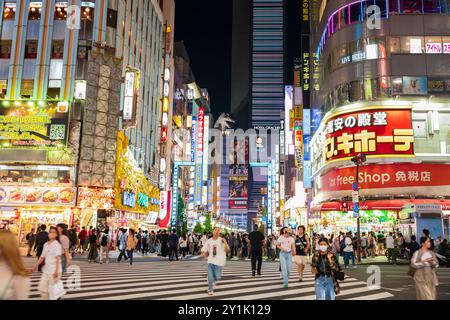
x=394, y=6
x=433, y=6
x=31, y=49
x=356, y=91
x=5, y=49
x=397, y=86
x=433, y=45
x=3, y=88
x=394, y=45
x=412, y=45
x=384, y=87
x=87, y=13
x=35, y=10
x=26, y=90
x=9, y=11
x=411, y=6
x=57, y=49
x=53, y=93
x=61, y=11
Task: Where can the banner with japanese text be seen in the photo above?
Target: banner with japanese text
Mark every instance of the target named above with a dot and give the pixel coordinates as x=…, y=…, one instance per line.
x=378, y=176
x=371, y=132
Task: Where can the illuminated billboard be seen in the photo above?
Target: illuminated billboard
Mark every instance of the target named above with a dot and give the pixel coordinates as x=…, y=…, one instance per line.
x=33, y=125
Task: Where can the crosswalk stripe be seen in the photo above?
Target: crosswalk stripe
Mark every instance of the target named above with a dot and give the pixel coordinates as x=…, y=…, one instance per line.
x=163, y=280
x=377, y=296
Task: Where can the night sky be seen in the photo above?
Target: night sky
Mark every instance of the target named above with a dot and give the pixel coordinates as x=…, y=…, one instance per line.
x=205, y=27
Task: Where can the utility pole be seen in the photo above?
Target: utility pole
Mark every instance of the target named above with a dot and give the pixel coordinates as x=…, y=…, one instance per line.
x=358, y=160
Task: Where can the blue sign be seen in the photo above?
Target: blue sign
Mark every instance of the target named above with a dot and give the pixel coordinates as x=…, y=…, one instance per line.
x=143, y=200
x=129, y=199
x=356, y=208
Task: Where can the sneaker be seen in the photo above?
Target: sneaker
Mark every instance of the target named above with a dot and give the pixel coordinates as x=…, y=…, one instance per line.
x=253, y=273
x=300, y=279
x=259, y=272
x=285, y=286
x=354, y=267
x=210, y=292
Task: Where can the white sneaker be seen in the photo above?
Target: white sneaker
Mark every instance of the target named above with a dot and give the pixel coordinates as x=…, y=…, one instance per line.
x=210, y=292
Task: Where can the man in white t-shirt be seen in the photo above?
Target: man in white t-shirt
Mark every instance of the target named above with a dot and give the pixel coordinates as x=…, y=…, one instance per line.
x=286, y=244
x=390, y=247
x=215, y=249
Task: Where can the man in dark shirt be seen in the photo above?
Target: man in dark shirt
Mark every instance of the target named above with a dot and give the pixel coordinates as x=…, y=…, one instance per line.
x=256, y=242
x=173, y=245
x=41, y=239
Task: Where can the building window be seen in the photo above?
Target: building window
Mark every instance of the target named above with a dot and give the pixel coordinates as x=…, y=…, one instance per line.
x=87, y=14
x=412, y=45
x=61, y=11
x=31, y=49
x=9, y=11
x=57, y=49
x=5, y=49
x=3, y=87
x=35, y=10
x=27, y=88
x=411, y=6
x=111, y=19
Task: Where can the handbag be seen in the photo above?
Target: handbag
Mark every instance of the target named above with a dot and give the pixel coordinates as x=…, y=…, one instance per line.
x=56, y=290
x=411, y=271
x=340, y=275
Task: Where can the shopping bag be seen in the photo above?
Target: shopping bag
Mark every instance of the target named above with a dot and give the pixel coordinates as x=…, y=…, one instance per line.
x=56, y=290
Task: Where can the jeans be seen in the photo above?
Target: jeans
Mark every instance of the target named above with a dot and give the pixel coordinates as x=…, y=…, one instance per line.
x=214, y=274
x=347, y=256
x=325, y=288
x=256, y=257
x=173, y=251
x=286, y=264
x=130, y=255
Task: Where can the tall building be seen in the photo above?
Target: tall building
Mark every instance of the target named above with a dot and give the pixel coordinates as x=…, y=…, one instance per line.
x=380, y=88
x=258, y=61
x=259, y=74
x=81, y=88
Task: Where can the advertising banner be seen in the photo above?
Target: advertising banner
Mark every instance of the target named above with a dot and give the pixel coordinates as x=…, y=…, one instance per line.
x=37, y=196
x=415, y=85
x=33, y=126
x=379, y=176
x=95, y=198
x=371, y=132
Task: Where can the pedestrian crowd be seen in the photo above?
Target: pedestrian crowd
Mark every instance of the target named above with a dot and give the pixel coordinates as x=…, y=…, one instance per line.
x=56, y=246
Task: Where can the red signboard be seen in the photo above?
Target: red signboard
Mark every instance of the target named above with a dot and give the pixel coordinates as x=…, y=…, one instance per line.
x=379, y=176
x=371, y=132
x=164, y=213
x=200, y=130
x=238, y=204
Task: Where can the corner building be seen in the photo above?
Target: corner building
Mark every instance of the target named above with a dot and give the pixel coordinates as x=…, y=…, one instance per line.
x=381, y=87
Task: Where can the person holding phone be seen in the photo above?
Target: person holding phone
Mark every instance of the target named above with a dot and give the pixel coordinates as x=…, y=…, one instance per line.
x=215, y=249
x=286, y=244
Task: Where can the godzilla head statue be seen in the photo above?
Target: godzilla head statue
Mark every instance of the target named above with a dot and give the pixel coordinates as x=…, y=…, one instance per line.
x=223, y=123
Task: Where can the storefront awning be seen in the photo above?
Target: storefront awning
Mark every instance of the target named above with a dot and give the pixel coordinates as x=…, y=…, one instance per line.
x=395, y=205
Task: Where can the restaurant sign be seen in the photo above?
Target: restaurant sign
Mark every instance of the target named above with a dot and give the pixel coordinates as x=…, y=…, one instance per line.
x=37, y=196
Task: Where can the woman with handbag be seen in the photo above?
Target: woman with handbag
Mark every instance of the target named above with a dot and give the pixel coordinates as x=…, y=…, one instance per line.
x=327, y=271
x=423, y=268
x=14, y=278
x=50, y=283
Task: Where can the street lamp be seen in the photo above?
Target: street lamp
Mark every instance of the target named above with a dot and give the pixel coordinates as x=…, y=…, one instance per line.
x=358, y=160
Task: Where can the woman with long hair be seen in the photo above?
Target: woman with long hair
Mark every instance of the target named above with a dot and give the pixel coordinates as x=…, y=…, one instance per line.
x=425, y=262
x=52, y=269
x=324, y=266
x=14, y=278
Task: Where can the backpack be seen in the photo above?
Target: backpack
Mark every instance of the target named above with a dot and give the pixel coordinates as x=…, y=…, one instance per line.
x=104, y=241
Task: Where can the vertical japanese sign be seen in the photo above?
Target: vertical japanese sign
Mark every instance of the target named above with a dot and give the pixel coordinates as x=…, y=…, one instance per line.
x=173, y=216
x=205, y=148
x=199, y=155
x=131, y=89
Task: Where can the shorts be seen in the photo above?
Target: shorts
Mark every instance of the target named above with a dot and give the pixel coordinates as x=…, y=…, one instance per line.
x=301, y=260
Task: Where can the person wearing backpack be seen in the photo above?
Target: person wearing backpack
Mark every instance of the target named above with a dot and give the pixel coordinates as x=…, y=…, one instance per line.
x=104, y=245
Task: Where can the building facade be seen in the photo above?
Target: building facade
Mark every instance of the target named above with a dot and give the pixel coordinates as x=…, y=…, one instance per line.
x=79, y=79
x=380, y=89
